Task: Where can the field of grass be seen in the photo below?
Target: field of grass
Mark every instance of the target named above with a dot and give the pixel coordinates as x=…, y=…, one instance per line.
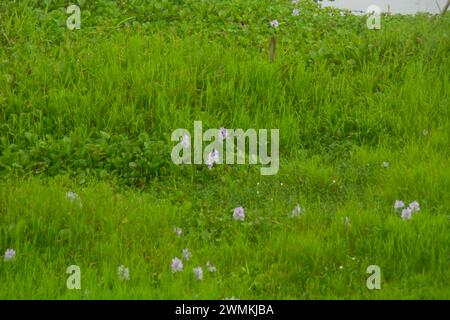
x=364, y=120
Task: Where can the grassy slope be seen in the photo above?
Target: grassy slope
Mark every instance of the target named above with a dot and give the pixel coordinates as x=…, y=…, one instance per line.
x=345, y=99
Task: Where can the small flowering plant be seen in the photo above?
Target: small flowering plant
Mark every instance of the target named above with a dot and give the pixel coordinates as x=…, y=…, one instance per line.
x=239, y=214
x=213, y=157
x=187, y=254
x=415, y=207
x=10, y=254
x=177, y=265
x=406, y=212
x=296, y=11
x=123, y=273
x=223, y=133
x=185, y=141
x=198, y=272
x=399, y=204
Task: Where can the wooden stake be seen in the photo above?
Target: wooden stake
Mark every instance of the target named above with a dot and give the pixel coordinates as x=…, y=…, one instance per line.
x=272, y=48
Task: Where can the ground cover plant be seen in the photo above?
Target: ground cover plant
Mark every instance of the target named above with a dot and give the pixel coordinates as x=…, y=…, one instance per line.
x=86, y=176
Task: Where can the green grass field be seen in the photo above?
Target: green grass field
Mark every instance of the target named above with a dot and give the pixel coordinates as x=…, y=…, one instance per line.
x=364, y=120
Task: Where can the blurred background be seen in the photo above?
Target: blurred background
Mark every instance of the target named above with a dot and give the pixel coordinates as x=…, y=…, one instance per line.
x=397, y=6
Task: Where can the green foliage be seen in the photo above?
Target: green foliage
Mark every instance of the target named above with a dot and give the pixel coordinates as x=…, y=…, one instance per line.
x=92, y=110
x=131, y=162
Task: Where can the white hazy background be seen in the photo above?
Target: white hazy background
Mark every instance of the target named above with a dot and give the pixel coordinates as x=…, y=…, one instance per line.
x=397, y=6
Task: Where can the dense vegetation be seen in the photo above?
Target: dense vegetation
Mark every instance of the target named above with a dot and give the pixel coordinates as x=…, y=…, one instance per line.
x=364, y=120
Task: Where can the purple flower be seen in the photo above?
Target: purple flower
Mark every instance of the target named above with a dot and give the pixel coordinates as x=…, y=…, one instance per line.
x=10, y=254
x=177, y=265
x=198, y=273
x=239, y=214
x=414, y=206
x=186, y=254
x=398, y=204
x=223, y=133
x=213, y=157
x=185, y=141
x=295, y=12
x=274, y=23
x=406, y=214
